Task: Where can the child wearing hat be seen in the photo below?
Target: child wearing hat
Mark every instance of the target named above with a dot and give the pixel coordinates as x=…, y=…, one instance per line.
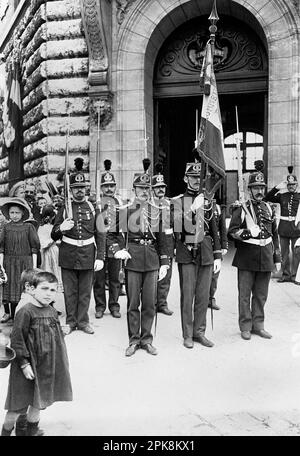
x=19, y=244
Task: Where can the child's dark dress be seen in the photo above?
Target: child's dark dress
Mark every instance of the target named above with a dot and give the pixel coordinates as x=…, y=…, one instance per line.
x=18, y=241
x=37, y=338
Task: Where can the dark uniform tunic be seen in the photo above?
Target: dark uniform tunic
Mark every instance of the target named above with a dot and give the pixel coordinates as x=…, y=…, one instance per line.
x=287, y=229
x=148, y=247
x=110, y=214
x=195, y=262
x=220, y=217
x=254, y=258
x=77, y=261
x=163, y=286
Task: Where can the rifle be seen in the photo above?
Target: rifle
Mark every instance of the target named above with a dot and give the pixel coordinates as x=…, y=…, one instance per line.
x=97, y=180
x=242, y=198
x=68, y=201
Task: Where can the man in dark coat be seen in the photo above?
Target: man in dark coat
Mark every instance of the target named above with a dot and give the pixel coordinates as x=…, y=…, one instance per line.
x=159, y=193
x=198, y=254
x=287, y=230
x=109, y=210
x=82, y=250
x=147, y=261
x=257, y=243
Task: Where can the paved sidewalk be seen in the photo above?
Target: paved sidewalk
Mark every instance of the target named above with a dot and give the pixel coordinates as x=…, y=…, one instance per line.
x=235, y=388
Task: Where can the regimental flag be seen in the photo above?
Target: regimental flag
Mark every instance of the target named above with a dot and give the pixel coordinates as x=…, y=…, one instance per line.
x=13, y=124
x=210, y=140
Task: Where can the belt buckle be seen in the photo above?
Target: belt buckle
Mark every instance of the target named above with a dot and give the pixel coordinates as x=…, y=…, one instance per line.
x=290, y=218
x=262, y=242
x=142, y=241
x=80, y=242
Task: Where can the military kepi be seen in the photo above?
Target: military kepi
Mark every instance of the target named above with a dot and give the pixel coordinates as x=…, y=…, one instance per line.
x=158, y=179
x=143, y=179
x=107, y=178
x=291, y=178
x=77, y=179
x=193, y=167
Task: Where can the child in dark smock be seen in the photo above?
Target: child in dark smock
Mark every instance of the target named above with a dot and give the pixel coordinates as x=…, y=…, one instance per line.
x=19, y=244
x=39, y=375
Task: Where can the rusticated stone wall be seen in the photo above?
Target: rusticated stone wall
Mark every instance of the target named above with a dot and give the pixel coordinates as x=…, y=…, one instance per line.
x=55, y=100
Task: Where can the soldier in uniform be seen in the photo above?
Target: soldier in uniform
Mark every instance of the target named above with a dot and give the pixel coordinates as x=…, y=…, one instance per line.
x=82, y=250
x=219, y=214
x=288, y=231
x=159, y=191
x=257, y=243
x=109, y=210
x=146, y=256
x=198, y=257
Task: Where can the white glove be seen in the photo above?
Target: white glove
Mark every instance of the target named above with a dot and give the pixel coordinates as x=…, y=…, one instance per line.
x=98, y=265
x=163, y=272
x=198, y=202
x=281, y=186
x=67, y=225
x=224, y=251
x=278, y=266
x=217, y=266
x=254, y=230
x=122, y=255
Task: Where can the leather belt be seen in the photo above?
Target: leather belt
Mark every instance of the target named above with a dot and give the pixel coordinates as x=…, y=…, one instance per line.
x=261, y=242
x=289, y=218
x=142, y=241
x=78, y=242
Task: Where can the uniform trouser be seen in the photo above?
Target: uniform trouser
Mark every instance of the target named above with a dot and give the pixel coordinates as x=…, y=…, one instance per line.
x=194, y=282
x=113, y=267
x=253, y=289
x=141, y=288
x=77, y=290
x=163, y=287
x=213, y=286
x=288, y=270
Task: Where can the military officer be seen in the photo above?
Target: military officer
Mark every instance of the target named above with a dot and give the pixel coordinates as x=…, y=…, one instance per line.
x=257, y=243
x=109, y=209
x=288, y=231
x=147, y=260
x=159, y=193
x=198, y=254
x=82, y=250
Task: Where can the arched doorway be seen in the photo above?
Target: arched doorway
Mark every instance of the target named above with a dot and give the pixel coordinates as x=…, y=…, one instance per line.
x=241, y=68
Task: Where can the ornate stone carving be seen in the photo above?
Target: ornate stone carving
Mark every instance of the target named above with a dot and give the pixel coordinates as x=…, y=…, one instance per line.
x=97, y=46
x=236, y=49
x=122, y=8
x=102, y=105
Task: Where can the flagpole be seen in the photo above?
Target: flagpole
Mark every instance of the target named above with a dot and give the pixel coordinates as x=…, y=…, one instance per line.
x=213, y=18
x=196, y=135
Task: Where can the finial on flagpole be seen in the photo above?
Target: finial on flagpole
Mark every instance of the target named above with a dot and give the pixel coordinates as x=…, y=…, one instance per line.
x=213, y=18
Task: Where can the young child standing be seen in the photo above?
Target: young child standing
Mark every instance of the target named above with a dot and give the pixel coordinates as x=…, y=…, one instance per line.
x=49, y=249
x=39, y=375
x=19, y=244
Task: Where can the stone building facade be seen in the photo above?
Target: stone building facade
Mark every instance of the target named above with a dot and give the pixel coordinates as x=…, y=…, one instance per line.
x=85, y=60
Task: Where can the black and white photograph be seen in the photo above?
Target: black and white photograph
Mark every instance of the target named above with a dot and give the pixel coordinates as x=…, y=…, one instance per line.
x=149, y=221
